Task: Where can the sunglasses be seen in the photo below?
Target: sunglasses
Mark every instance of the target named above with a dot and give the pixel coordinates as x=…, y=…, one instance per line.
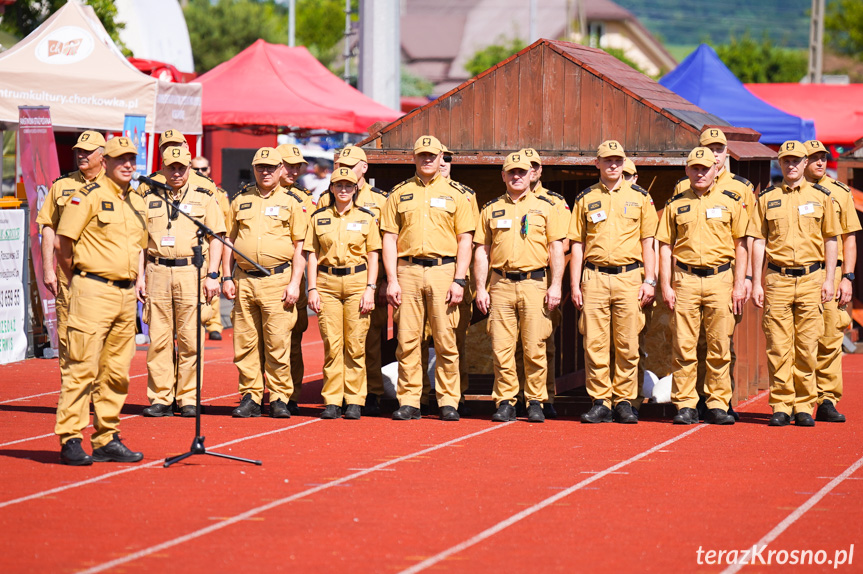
x=524, y=225
x=447, y=158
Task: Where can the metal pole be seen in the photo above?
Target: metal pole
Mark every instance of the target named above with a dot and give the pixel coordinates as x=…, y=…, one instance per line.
x=292, y=22
x=347, y=52
x=533, y=35
x=816, y=43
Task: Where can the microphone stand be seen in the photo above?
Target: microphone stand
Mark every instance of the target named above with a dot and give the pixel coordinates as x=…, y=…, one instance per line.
x=198, y=260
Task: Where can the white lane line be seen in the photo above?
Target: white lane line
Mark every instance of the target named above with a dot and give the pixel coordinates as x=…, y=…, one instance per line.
x=143, y=466
x=489, y=532
x=276, y=503
x=127, y=417
x=799, y=512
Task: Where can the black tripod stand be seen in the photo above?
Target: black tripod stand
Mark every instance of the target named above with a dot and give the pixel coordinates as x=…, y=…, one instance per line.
x=198, y=261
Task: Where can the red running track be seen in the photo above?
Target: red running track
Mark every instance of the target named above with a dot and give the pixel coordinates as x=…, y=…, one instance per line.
x=377, y=495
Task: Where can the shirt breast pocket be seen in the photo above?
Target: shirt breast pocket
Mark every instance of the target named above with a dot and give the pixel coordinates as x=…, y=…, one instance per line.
x=813, y=220
x=245, y=218
x=777, y=223
x=197, y=211
x=536, y=227
x=108, y=217
x=442, y=211
x=409, y=212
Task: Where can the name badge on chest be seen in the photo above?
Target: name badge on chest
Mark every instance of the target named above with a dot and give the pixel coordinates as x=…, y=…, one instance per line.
x=355, y=226
x=504, y=224
x=185, y=208
x=168, y=241
x=438, y=202
x=598, y=216
x=272, y=210
x=806, y=209
x=714, y=213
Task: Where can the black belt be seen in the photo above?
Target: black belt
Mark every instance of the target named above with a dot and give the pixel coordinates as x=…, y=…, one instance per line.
x=704, y=271
x=182, y=262
x=521, y=275
x=429, y=262
x=796, y=271
x=125, y=284
x=342, y=271
x=273, y=271
x=613, y=270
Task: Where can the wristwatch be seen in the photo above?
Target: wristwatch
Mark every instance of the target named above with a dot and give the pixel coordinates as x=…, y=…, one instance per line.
x=848, y=276
x=460, y=282
x=372, y=285
x=213, y=275
x=651, y=282
x=227, y=278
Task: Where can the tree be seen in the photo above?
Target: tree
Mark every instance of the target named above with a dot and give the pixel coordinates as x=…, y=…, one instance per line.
x=492, y=55
x=413, y=85
x=755, y=62
x=843, y=27
x=23, y=16
x=621, y=55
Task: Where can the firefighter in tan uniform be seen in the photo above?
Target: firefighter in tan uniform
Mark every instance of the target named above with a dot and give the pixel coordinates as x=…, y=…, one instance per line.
x=214, y=327
x=828, y=366
x=373, y=199
x=795, y=225
x=520, y=236
x=102, y=236
x=172, y=284
x=292, y=162
x=612, y=229
x=428, y=228
x=267, y=224
x=88, y=157
x=343, y=244
x=704, y=229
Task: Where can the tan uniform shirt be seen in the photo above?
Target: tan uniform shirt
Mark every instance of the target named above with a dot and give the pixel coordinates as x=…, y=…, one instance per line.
x=846, y=212
x=702, y=229
x=170, y=234
x=264, y=228
x=519, y=232
x=342, y=240
x=109, y=232
x=727, y=181
x=371, y=198
x=61, y=190
x=427, y=218
x=558, y=201
x=794, y=222
x=611, y=224
x=307, y=198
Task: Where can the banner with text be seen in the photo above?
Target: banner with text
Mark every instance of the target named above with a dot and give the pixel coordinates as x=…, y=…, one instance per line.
x=40, y=167
x=13, y=329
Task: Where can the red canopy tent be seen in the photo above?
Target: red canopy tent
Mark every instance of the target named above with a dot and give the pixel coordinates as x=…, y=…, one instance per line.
x=836, y=109
x=274, y=85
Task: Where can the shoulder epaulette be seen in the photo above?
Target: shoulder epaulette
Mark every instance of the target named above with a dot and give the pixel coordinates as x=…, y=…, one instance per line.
x=204, y=190
x=682, y=179
x=318, y=210
x=369, y=211
x=299, y=187
x=674, y=198
x=398, y=185
x=295, y=196
x=154, y=174
x=545, y=199
x=380, y=191
x=461, y=187
x=248, y=187
x=88, y=188
x=150, y=190
x=583, y=192
x=821, y=188
x=207, y=177
x=222, y=189
x=555, y=194
x=64, y=176
x=732, y=195
x=840, y=184
x=639, y=189
x=490, y=202
x=743, y=180
x=769, y=188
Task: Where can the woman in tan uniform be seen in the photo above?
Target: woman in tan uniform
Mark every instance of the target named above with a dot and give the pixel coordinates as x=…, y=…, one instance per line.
x=343, y=244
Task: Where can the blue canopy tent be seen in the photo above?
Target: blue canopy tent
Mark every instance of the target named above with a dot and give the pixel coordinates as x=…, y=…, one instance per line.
x=705, y=81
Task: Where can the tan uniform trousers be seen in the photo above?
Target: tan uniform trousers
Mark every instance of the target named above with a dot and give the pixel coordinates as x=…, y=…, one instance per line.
x=465, y=312
x=611, y=316
x=828, y=366
x=61, y=305
x=793, y=323
x=172, y=297
x=550, y=348
x=100, y=343
x=343, y=330
x=701, y=301
x=518, y=313
x=424, y=291
x=298, y=367
x=702, y=358
x=262, y=333
x=377, y=324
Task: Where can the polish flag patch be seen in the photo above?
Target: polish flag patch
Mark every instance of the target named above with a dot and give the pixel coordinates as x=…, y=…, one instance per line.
x=75, y=200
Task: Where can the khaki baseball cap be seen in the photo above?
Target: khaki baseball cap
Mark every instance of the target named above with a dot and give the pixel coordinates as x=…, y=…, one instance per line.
x=267, y=156
x=119, y=146
x=351, y=155
x=610, y=148
x=516, y=160
x=89, y=141
x=701, y=156
x=792, y=148
x=176, y=154
x=343, y=174
x=171, y=136
x=291, y=154
x=815, y=146
x=712, y=136
x=531, y=155
x=428, y=144
x=629, y=167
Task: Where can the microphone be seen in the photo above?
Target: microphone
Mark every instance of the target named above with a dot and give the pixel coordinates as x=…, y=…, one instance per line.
x=151, y=182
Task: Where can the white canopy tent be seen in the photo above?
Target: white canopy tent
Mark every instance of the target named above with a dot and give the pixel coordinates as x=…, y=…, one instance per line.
x=71, y=64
